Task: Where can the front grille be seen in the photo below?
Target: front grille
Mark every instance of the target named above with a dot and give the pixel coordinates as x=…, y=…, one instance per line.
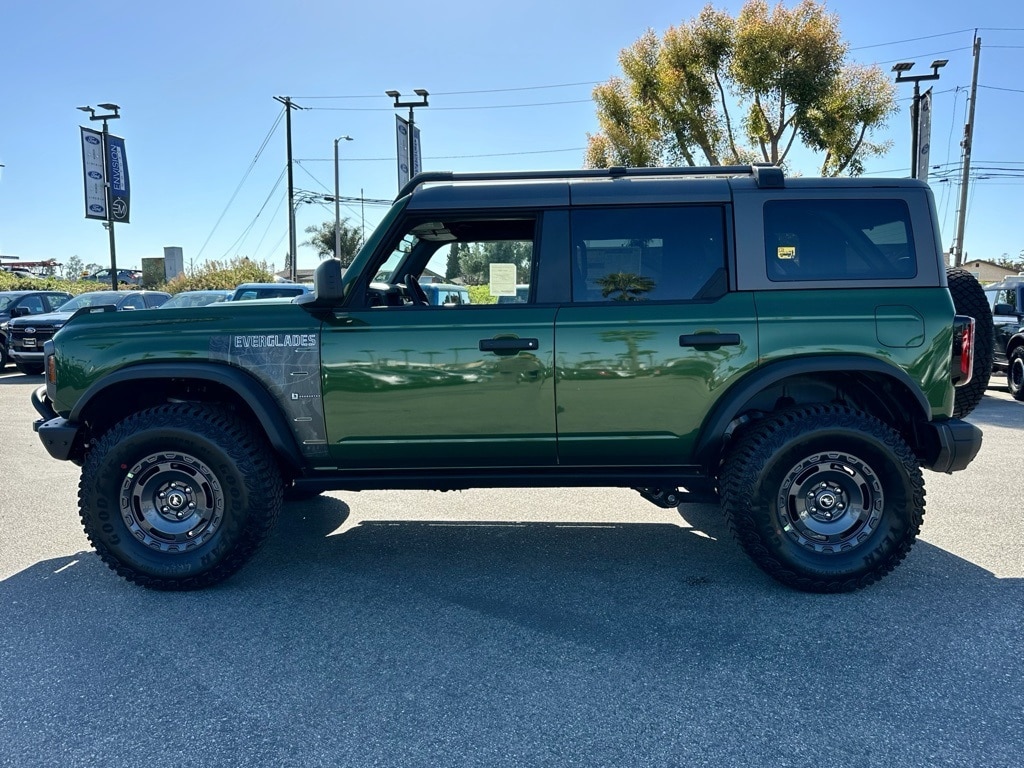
x=30, y=338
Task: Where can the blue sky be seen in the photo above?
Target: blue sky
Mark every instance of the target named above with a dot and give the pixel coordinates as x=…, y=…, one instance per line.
x=510, y=88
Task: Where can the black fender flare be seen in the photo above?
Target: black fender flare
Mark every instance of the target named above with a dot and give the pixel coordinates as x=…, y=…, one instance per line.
x=268, y=413
x=1013, y=342
x=729, y=406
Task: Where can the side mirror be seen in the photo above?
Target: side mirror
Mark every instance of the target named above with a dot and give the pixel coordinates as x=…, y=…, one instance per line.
x=1003, y=310
x=327, y=286
x=20, y=312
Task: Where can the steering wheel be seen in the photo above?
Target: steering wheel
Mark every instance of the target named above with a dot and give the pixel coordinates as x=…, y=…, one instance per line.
x=417, y=294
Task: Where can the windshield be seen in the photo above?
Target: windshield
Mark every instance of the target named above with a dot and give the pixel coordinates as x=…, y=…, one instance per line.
x=5, y=302
x=93, y=299
x=373, y=242
x=194, y=299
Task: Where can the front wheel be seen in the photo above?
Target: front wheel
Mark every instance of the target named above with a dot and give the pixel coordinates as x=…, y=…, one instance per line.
x=179, y=496
x=29, y=369
x=823, y=498
x=1015, y=374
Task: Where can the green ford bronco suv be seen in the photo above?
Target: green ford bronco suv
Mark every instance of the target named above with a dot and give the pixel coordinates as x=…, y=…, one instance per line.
x=787, y=347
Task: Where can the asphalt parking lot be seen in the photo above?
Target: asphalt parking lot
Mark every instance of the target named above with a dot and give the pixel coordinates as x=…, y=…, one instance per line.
x=560, y=627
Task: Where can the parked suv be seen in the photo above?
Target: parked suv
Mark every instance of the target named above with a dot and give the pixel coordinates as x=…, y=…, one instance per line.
x=27, y=335
x=788, y=348
x=250, y=291
x=1006, y=299
x=19, y=303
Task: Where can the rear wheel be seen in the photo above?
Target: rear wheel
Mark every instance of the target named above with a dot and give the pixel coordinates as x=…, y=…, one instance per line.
x=969, y=299
x=1015, y=374
x=179, y=496
x=823, y=498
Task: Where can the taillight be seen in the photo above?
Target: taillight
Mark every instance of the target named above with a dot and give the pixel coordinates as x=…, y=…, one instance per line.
x=962, y=363
x=967, y=351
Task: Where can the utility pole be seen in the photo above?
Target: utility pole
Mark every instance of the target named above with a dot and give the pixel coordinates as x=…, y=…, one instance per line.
x=114, y=114
x=292, y=256
x=958, y=253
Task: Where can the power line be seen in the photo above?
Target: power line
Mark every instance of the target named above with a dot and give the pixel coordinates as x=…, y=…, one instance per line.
x=245, y=176
x=466, y=93
x=450, y=109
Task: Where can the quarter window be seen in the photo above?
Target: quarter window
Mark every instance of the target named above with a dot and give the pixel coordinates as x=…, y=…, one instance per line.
x=838, y=240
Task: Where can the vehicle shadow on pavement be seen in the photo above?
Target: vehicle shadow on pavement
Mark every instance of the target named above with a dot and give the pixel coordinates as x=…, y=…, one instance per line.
x=515, y=640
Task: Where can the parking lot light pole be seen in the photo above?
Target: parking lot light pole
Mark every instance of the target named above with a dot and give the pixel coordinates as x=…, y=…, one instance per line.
x=915, y=117
x=114, y=114
x=337, y=202
x=412, y=124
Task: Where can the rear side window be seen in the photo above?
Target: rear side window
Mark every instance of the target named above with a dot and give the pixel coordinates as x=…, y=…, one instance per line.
x=647, y=253
x=838, y=240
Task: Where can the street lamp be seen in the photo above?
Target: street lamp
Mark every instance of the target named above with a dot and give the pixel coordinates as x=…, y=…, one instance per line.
x=113, y=114
x=411, y=105
x=901, y=77
x=337, y=203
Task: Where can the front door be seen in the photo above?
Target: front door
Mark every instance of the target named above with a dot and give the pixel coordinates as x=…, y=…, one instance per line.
x=410, y=385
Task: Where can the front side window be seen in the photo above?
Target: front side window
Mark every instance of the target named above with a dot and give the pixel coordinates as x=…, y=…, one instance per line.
x=491, y=256
x=842, y=239
x=647, y=254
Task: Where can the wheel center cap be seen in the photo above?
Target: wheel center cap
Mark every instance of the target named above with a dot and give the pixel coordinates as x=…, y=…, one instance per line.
x=827, y=500
x=176, y=500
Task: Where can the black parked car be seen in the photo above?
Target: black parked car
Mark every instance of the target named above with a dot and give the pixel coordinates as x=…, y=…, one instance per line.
x=18, y=303
x=25, y=335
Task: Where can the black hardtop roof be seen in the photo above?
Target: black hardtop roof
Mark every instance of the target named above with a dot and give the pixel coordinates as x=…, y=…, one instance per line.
x=540, y=186
x=764, y=175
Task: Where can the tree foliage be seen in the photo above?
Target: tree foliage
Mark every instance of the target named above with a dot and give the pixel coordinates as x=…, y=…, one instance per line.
x=322, y=239
x=220, y=274
x=785, y=69
x=475, y=259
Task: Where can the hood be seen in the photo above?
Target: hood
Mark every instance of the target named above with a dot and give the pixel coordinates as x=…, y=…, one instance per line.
x=49, y=319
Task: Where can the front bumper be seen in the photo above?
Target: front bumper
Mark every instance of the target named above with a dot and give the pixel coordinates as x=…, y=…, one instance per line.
x=57, y=434
x=953, y=444
x=21, y=356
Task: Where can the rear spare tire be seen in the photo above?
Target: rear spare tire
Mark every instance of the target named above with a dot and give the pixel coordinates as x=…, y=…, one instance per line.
x=969, y=299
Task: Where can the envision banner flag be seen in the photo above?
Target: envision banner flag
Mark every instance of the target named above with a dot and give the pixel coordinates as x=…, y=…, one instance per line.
x=924, y=134
x=94, y=172
x=117, y=175
x=402, y=147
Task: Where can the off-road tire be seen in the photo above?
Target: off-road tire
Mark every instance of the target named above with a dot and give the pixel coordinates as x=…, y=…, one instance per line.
x=179, y=496
x=969, y=299
x=30, y=369
x=781, y=471
x=1015, y=374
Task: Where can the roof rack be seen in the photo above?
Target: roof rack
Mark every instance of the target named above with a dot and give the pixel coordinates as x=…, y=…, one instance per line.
x=766, y=176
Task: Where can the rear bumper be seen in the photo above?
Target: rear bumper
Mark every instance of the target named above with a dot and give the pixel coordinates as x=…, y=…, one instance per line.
x=953, y=444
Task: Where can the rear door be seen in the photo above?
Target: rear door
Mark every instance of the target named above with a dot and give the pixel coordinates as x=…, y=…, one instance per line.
x=653, y=335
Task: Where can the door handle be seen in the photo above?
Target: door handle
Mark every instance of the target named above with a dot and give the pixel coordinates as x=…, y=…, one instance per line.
x=508, y=346
x=708, y=341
